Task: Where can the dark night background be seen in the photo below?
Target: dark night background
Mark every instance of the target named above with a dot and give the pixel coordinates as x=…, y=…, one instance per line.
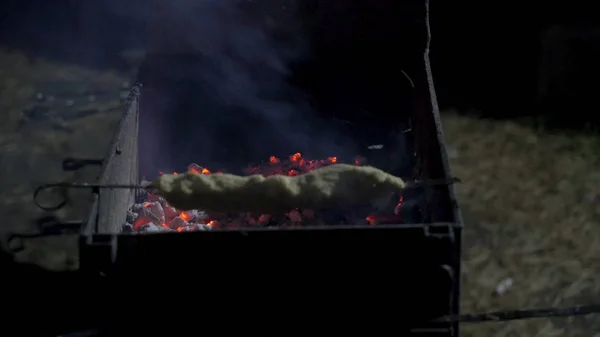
x=517, y=83
x=487, y=57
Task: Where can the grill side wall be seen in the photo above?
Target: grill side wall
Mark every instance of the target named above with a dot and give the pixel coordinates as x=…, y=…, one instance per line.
x=120, y=167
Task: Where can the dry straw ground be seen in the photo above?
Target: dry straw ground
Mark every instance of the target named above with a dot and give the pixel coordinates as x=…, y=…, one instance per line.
x=531, y=203
x=531, y=200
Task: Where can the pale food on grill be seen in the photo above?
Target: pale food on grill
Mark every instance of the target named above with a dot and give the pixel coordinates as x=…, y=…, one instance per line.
x=329, y=186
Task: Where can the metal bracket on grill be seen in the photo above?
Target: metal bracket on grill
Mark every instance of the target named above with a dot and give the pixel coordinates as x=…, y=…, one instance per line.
x=62, y=190
x=442, y=232
x=58, y=190
x=48, y=225
x=53, y=226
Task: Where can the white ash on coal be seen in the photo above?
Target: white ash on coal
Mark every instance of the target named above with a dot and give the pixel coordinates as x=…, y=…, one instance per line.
x=159, y=216
x=156, y=215
x=152, y=228
x=177, y=223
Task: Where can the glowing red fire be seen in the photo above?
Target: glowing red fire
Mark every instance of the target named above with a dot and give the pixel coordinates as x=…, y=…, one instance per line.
x=158, y=212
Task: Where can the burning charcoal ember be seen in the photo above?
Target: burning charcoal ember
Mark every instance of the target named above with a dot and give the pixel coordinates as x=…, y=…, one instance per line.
x=189, y=215
x=154, y=210
x=152, y=228
x=178, y=222
x=202, y=227
x=194, y=228
x=131, y=217
x=186, y=229
x=253, y=220
x=197, y=169
x=372, y=220
x=213, y=224
x=295, y=216
x=170, y=212
x=141, y=221
x=193, y=167
x=264, y=219
x=398, y=209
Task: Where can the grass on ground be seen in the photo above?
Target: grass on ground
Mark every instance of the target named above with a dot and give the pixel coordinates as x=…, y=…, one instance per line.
x=531, y=202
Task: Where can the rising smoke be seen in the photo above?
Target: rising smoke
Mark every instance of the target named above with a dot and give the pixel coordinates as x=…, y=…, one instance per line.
x=223, y=92
x=218, y=88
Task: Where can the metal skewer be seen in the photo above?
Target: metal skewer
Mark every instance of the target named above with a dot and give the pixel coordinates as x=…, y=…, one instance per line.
x=63, y=188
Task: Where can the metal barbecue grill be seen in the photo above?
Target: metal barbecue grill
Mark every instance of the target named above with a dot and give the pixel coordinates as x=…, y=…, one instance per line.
x=395, y=278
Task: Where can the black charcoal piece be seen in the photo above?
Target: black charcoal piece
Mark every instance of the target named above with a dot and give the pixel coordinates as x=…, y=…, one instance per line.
x=131, y=216
x=128, y=228
x=200, y=216
x=178, y=222
x=202, y=227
